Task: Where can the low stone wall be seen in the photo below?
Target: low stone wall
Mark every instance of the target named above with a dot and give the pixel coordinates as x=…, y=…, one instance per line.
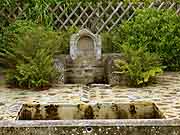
x=84, y=71
x=111, y=127
x=100, y=71
x=113, y=78
x=82, y=131
x=59, y=63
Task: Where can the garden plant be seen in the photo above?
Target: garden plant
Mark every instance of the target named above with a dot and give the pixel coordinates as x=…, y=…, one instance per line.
x=157, y=31
x=27, y=53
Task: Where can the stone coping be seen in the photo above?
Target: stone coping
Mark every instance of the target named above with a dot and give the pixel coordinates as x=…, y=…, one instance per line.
x=86, y=123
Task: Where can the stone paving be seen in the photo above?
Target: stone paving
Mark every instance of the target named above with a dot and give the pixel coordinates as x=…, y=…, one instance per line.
x=166, y=94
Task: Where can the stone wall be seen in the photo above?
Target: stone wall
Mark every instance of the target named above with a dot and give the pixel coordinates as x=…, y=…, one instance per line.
x=113, y=78
x=84, y=71
x=96, y=131
x=97, y=71
x=59, y=63
x=55, y=128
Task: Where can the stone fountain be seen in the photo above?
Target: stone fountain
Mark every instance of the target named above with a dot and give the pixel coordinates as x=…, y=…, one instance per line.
x=85, y=64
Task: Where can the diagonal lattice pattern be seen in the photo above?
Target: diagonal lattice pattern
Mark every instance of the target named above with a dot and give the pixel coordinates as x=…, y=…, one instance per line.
x=97, y=18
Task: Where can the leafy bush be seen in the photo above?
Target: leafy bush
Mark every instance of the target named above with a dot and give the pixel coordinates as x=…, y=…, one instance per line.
x=65, y=39
x=29, y=55
x=17, y=30
x=107, y=43
x=38, y=72
x=16, y=34
x=10, y=34
x=139, y=66
x=157, y=31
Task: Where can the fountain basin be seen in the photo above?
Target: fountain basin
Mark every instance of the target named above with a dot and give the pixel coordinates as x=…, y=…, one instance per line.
x=133, y=118
x=132, y=110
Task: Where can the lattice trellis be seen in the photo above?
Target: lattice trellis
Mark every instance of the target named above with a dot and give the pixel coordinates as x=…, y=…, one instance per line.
x=102, y=17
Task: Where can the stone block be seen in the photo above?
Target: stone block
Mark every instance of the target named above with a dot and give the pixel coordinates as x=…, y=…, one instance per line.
x=113, y=78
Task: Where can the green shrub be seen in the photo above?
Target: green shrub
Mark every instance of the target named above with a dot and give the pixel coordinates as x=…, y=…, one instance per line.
x=21, y=36
x=107, y=43
x=65, y=39
x=157, y=31
x=29, y=53
x=17, y=30
x=139, y=66
x=38, y=72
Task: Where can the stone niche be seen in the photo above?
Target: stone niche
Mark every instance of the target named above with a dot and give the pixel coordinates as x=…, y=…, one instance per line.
x=84, y=65
x=85, y=44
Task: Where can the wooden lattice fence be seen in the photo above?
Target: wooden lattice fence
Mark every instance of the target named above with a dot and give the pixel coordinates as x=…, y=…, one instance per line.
x=97, y=18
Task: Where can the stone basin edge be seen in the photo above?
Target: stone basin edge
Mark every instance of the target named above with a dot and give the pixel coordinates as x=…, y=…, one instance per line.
x=93, y=123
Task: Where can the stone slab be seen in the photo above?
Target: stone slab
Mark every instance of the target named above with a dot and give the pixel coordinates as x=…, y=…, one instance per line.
x=110, y=127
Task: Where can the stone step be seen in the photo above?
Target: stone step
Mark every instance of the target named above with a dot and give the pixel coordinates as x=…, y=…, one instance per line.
x=84, y=65
x=78, y=80
x=77, y=75
x=86, y=70
x=82, y=80
x=84, y=75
